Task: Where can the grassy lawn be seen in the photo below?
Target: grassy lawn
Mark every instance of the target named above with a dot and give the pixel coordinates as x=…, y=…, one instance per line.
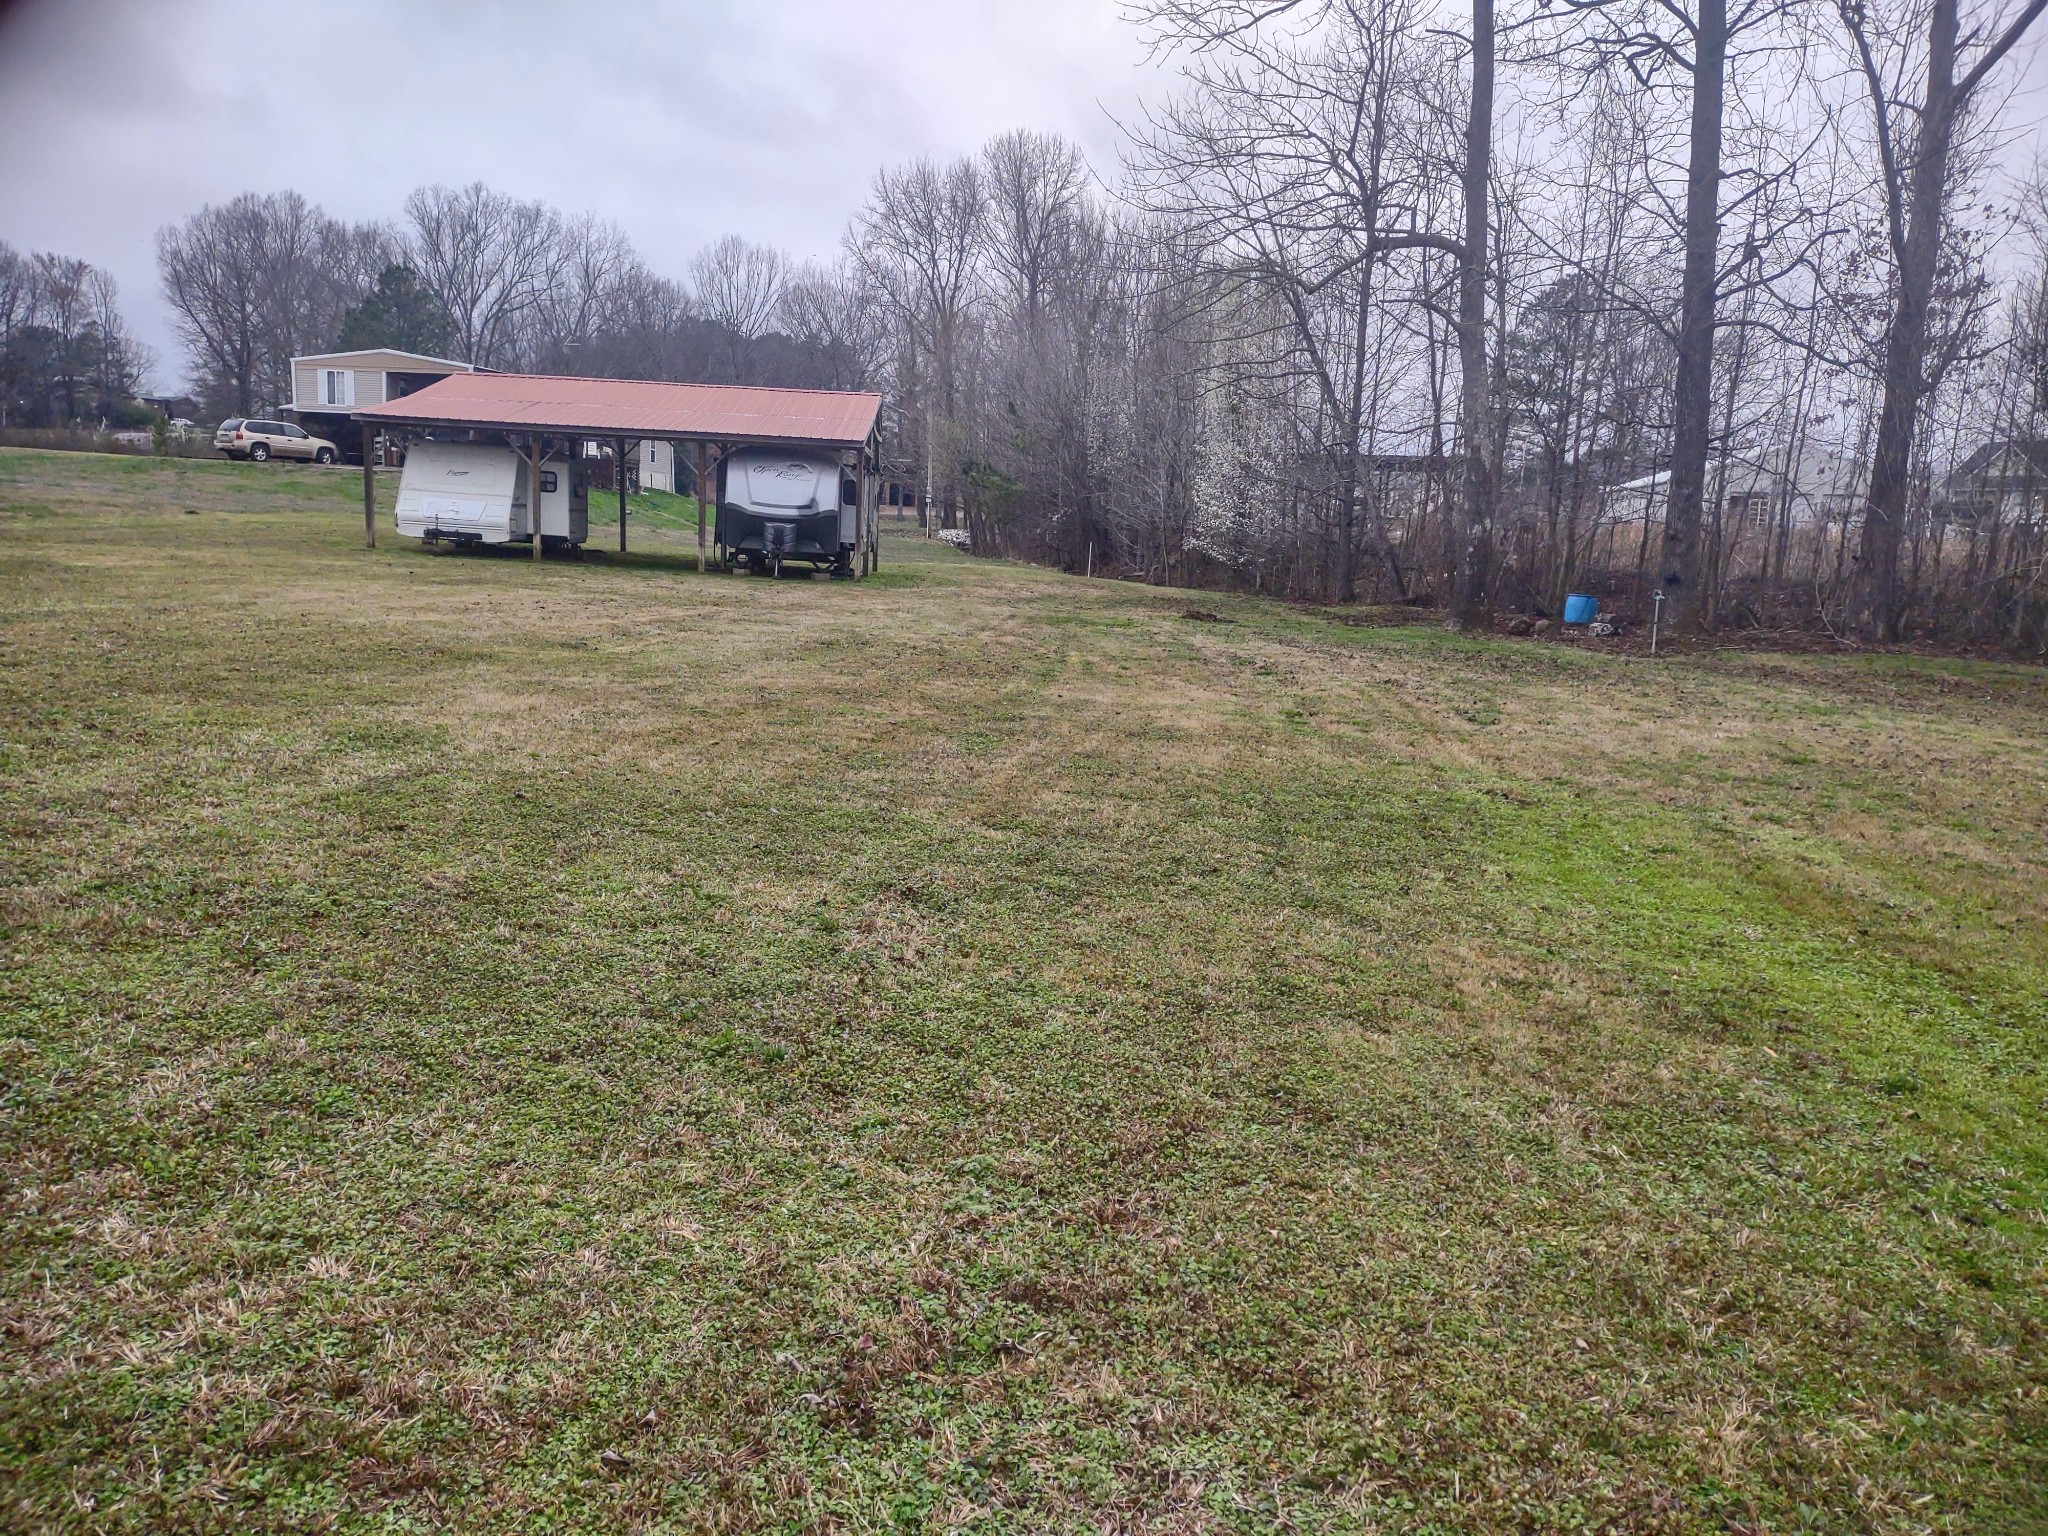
x=596, y=1048
x=652, y=510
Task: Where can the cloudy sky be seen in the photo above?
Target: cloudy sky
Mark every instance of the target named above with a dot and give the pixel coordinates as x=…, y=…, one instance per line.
x=679, y=119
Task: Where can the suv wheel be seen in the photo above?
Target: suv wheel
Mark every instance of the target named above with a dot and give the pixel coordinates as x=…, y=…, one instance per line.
x=324, y=456
x=260, y=452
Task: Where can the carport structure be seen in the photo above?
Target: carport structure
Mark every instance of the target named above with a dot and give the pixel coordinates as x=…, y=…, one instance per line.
x=532, y=412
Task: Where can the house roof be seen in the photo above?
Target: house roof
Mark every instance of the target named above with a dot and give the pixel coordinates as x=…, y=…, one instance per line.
x=1817, y=472
x=532, y=402
x=317, y=358
x=2004, y=457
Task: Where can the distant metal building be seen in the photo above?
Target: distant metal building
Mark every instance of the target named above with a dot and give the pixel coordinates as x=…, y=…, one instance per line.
x=795, y=472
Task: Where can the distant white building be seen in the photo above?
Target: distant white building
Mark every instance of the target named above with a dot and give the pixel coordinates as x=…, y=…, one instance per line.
x=340, y=382
x=656, y=461
x=2004, y=480
x=327, y=386
x=1823, y=485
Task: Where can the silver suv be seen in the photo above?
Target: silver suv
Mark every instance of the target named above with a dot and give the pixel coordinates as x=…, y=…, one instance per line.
x=243, y=437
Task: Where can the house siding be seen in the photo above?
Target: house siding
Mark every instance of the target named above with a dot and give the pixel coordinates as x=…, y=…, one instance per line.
x=370, y=369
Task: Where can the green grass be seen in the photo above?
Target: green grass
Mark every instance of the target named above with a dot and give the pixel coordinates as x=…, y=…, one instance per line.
x=645, y=509
x=593, y=1047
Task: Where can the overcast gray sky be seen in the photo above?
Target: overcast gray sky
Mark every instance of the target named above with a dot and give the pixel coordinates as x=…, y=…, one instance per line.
x=678, y=119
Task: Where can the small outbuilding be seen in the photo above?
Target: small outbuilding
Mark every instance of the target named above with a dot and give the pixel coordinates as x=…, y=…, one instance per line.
x=792, y=473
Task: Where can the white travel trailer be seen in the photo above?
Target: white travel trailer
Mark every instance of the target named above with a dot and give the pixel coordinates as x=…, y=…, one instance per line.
x=477, y=493
x=777, y=505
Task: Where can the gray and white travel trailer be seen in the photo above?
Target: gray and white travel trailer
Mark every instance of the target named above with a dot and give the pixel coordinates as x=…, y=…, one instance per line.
x=477, y=493
x=781, y=505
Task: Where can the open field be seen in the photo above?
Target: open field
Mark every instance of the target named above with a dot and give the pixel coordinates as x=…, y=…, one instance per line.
x=595, y=1048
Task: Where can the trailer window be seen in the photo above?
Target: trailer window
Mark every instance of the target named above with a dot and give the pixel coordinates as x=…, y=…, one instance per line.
x=547, y=482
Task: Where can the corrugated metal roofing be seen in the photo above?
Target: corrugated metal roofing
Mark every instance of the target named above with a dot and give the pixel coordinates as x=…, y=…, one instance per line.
x=528, y=402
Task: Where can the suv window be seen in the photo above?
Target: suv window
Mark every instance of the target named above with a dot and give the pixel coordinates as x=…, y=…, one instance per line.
x=268, y=428
x=232, y=424
x=292, y=431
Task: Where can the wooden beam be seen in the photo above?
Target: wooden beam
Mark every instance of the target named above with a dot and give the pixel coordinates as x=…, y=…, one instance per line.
x=863, y=537
x=703, y=485
x=370, y=486
x=533, y=494
x=619, y=474
x=875, y=560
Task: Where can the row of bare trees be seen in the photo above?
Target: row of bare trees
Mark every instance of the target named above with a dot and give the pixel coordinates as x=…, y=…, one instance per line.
x=66, y=355
x=472, y=273
x=1733, y=305
x=1733, y=302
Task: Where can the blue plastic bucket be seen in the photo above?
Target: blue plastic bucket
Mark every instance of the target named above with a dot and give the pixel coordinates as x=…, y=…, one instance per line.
x=1581, y=609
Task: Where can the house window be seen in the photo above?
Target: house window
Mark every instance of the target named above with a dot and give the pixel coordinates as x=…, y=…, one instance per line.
x=337, y=386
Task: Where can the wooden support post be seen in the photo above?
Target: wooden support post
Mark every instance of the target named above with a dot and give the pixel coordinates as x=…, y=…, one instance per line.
x=866, y=511
x=533, y=494
x=703, y=485
x=370, y=486
x=619, y=474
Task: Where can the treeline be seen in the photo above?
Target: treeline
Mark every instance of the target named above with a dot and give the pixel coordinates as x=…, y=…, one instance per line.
x=65, y=353
x=471, y=274
x=1740, y=309
x=1733, y=306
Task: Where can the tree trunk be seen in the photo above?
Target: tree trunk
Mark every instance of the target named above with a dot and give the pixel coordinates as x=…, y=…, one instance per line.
x=1874, y=588
x=1473, y=529
x=1693, y=398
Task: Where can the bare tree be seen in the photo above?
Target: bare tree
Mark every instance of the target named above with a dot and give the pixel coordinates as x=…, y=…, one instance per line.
x=1298, y=175
x=918, y=241
x=737, y=285
x=256, y=280
x=1914, y=155
x=1035, y=226
x=1472, y=536
x=116, y=362
x=1646, y=43
x=831, y=312
x=66, y=354
x=593, y=262
x=488, y=259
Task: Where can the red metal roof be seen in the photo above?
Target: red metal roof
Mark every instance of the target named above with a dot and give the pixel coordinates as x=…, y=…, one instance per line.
x=527, y=402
